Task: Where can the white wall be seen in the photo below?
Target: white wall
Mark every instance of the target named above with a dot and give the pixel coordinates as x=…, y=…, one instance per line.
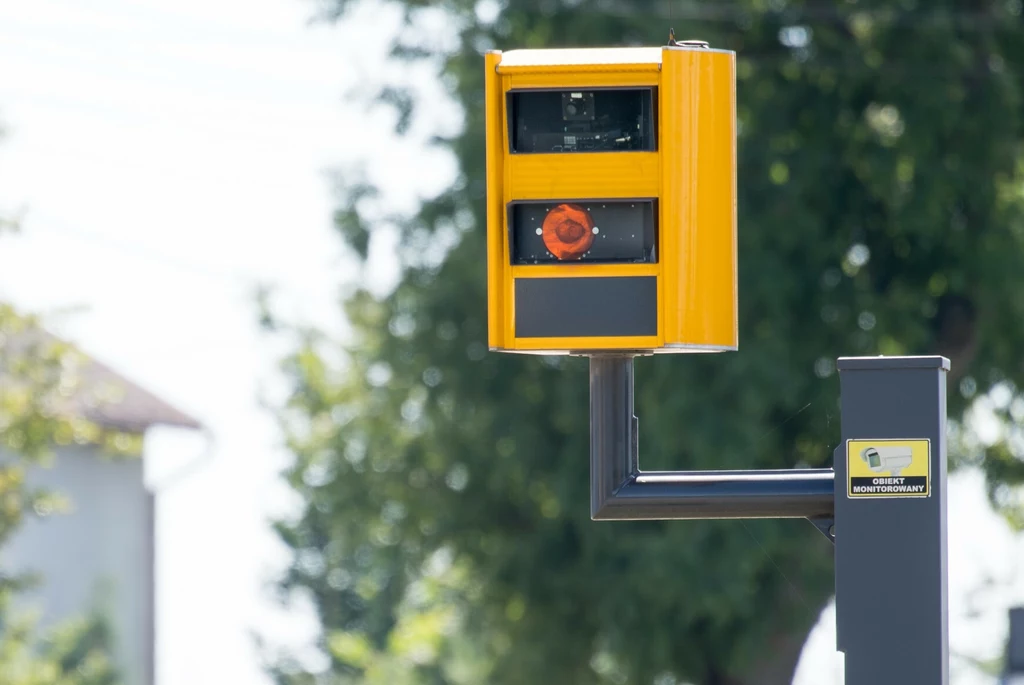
x=100, y=551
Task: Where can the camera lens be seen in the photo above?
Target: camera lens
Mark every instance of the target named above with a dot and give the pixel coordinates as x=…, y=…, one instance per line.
x=570, y=109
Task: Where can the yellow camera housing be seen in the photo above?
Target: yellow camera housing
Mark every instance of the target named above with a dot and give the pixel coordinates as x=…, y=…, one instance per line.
x=611, y=200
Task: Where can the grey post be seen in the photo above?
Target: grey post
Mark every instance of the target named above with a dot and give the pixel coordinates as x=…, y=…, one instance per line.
x=891, y=594
x=890, y=536
x=1013, y=673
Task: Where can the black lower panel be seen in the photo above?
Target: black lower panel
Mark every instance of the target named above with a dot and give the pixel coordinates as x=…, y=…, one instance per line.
x=586, y=307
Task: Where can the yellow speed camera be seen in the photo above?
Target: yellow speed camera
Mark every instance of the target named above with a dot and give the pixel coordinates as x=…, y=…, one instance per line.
x=611, y=200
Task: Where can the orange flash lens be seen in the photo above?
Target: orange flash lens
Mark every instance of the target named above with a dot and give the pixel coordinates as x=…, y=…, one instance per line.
x=568, y=231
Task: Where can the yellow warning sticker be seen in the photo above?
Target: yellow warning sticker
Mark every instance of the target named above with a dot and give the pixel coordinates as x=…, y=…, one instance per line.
x=888, y=468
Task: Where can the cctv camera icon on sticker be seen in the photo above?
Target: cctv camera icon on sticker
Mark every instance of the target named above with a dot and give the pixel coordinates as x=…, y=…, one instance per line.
x=892, y=459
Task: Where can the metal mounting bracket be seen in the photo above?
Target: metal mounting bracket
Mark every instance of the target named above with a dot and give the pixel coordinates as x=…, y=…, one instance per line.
x=620, y=491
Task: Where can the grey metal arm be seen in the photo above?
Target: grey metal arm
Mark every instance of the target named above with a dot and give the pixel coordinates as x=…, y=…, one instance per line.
x=620, y=491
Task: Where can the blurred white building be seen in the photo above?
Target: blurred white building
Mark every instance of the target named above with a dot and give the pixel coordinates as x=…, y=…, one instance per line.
x=100, y=554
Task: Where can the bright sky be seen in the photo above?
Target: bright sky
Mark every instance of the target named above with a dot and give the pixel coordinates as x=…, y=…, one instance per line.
x=170, y=155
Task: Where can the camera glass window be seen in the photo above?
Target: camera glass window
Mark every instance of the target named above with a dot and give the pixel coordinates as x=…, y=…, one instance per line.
x=601, y=231
x=596, y=120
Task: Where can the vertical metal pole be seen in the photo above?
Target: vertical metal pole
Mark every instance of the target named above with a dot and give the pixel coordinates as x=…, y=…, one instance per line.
x=890, y=546
x=613, y=427
x=1014, y=670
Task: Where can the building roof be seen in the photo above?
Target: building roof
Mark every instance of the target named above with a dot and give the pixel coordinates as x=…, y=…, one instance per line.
x=109, y=399
x=100, y=394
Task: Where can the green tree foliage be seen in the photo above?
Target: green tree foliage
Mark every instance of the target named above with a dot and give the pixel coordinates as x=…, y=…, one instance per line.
x=37, y=375
x=445, y=536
